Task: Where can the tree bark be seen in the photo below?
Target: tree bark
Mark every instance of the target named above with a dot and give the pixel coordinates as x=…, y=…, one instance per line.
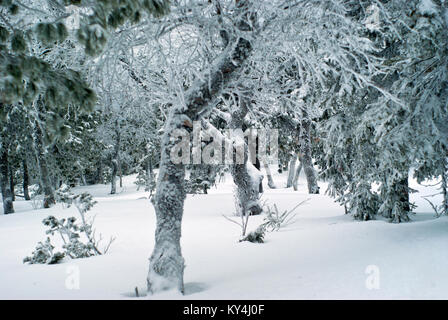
x=166, y=265
x=8, y=206
x=12, y=183
x=296, y=176
x=113, y=179
x=306, y=157
x=445, y=188
x=247, y=194
x=99, y=178
x=115, y=160
x=291, y=171
x=26, y=180
x=39, y=147
x=149, y=176
x=257, y=164
x=271, y=183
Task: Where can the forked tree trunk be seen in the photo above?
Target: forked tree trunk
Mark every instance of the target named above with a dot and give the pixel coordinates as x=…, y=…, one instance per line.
x=306, y=157
x=26, y=180
x=8, y=206
x=247, y=191
x=166, y=265
x=291, y=171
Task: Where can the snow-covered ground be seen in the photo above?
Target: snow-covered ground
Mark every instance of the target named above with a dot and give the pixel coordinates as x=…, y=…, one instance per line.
x=323, y=255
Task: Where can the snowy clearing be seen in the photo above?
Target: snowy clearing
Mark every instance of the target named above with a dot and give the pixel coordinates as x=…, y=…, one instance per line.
x=324, y=254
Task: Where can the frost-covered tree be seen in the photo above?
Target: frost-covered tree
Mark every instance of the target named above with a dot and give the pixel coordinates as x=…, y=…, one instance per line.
x=376, y=139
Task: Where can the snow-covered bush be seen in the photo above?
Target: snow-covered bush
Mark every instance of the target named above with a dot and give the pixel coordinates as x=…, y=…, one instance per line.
x=64, y=196
x=256, y=236
x=43, y=254
x=146, y=181
x=70, y=231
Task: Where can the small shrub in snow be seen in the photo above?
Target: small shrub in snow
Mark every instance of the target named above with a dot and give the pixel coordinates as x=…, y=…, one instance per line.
x=43, y=254
x=37, y=201
x=70, y=231
x=64, y=196
x=275, y=220
x=148, y=182
x=256, y=236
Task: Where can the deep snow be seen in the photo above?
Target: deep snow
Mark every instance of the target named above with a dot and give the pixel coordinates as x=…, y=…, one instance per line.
x=323, y=255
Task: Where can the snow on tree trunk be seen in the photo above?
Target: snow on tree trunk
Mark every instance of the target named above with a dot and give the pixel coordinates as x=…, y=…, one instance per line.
x=113, y=178
x=26, y=180
x=4, y=182
x=306, y=158
x=271, y=183
x=296, y=176
x=247, y=191
x=39, y=148
x=291, y=171
x=166, y=265
x=149, y=175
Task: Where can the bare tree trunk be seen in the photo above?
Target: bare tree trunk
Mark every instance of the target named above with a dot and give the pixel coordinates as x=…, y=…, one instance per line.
x=271, y=183
x=99, y=178
x=166, y=265
x=258, y=164
x=166, y=268
x=26, y=180
x=246, y=193
x=291, y=171
x=83, y=179
x=306, y=158
x=39, y=147
x=113, y=179
x=444, y=188
x=115, y=160
x=8, y=206
x=12, y=183
x=296, y=176
x=149, y=172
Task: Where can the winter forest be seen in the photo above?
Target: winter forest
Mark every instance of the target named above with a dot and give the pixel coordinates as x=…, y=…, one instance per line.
x=224, y=149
